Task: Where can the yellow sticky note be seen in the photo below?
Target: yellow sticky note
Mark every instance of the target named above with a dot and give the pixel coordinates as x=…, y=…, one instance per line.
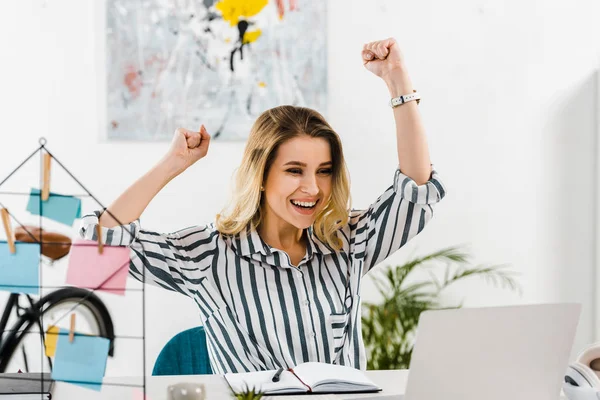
x=51, y=340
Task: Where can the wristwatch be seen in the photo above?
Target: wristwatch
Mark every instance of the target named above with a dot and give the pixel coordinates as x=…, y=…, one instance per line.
x=398, y=101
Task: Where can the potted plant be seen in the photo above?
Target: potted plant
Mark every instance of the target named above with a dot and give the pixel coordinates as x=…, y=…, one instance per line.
x=389, y=327
x=248, y=394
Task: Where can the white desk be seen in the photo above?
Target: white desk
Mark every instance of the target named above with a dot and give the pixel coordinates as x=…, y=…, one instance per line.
x=392, y=383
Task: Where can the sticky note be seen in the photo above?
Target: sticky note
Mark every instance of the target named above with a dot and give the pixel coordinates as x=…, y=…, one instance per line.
x=82, y=362
x=91, y=270
x=20, y=272
x=138, y=394
x=60, y=208
x=51, y=340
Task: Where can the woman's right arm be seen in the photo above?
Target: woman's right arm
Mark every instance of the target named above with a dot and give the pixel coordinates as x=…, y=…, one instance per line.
x=187, y=147
x=130, y=205
x=171, y=260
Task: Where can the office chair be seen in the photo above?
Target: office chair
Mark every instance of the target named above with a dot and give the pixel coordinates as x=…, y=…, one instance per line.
x=185, y=354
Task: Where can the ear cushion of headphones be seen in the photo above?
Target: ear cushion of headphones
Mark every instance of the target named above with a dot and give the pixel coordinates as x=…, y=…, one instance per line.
x=590, y=357
x=583, y=375
x=582, y=378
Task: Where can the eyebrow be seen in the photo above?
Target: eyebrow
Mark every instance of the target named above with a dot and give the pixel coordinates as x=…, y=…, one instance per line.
x=301, y=164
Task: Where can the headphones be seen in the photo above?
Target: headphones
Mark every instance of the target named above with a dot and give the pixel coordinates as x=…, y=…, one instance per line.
x=582, y=379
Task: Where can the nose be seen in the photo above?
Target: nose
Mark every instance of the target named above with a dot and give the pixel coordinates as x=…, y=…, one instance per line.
x=310, y=186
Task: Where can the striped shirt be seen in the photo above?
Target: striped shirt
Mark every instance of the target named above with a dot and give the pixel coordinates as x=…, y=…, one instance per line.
x=259, y=311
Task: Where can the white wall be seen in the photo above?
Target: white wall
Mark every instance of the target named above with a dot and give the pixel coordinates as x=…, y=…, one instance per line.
x=509, y=104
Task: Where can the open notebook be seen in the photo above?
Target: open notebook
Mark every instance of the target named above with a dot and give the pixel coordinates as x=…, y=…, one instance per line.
x=310, y=377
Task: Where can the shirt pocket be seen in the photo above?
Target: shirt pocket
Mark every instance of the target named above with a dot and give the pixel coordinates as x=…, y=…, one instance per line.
x=338, y=322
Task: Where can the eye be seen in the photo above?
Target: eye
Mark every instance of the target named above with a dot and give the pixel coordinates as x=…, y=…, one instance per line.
x=294, y=170
x=326, y=171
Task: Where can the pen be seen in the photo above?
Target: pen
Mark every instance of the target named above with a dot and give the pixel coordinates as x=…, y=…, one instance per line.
x=277, y=374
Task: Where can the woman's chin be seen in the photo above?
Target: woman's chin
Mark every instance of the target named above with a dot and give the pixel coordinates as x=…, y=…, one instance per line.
x=302, y=222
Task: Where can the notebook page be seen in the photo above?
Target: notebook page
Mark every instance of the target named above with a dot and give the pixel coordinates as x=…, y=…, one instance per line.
x=262, y=380
x=323, y=377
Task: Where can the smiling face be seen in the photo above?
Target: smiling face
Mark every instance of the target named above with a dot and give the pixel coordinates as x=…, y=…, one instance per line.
x=298, y=183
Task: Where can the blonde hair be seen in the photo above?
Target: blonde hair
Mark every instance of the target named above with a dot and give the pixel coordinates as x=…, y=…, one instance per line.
x=272, y=128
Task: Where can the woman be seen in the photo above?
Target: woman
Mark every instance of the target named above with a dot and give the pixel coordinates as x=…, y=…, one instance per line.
x=277, y=277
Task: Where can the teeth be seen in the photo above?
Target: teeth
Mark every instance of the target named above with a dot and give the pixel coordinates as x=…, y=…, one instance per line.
x=303, y=204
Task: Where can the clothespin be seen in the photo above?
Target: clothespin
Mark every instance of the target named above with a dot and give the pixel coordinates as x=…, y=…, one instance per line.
x=10, y=238
x=46, y=181
x=99, y=235
x=72, y=329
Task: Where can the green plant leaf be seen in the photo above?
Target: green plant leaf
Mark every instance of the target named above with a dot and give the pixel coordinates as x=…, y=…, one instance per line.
x=389, y=327
x=494, y=274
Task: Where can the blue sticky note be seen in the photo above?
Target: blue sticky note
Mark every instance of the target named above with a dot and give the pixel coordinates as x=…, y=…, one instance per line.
x=82, y=362
x=58, y=207
x=20, y=272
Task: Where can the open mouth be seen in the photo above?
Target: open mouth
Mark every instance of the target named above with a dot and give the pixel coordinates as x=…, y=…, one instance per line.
x=304, y=207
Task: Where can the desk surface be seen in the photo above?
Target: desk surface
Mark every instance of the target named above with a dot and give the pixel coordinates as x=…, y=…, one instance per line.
x=392, y=382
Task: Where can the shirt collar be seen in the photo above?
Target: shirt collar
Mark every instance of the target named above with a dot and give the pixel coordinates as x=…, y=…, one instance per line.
x=249, y=242
x=316, y=244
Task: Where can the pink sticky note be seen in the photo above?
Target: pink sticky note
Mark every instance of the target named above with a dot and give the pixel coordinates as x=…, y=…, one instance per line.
x=92, y=270
x=138, y=394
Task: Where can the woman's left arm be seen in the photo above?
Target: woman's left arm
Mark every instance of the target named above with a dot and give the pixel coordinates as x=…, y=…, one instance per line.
x=384, y=59
x=404, y=209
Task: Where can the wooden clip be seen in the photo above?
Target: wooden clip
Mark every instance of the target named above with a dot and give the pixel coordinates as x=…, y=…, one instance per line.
x=72, y=329
x=10, y=238
x=46, y=181
x=99, y=235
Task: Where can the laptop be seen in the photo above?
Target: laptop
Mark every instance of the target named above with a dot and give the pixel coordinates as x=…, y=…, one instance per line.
x=492, y=353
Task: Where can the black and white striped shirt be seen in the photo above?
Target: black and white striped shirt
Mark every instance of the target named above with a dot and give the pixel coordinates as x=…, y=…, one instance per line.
x=259, y=311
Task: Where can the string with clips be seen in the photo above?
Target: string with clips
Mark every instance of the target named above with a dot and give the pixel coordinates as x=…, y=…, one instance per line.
x=10, y=236
x=6, y=217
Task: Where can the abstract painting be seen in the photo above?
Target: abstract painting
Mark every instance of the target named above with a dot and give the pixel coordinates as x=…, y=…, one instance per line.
x=183, y=63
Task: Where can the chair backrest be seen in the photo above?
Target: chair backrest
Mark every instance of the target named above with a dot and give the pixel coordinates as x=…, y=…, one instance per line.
x=185, y=354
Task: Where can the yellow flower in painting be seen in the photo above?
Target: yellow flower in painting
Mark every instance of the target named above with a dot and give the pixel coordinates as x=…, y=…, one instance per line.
x=250, y=37
x=262, y=84
x=232, y=10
